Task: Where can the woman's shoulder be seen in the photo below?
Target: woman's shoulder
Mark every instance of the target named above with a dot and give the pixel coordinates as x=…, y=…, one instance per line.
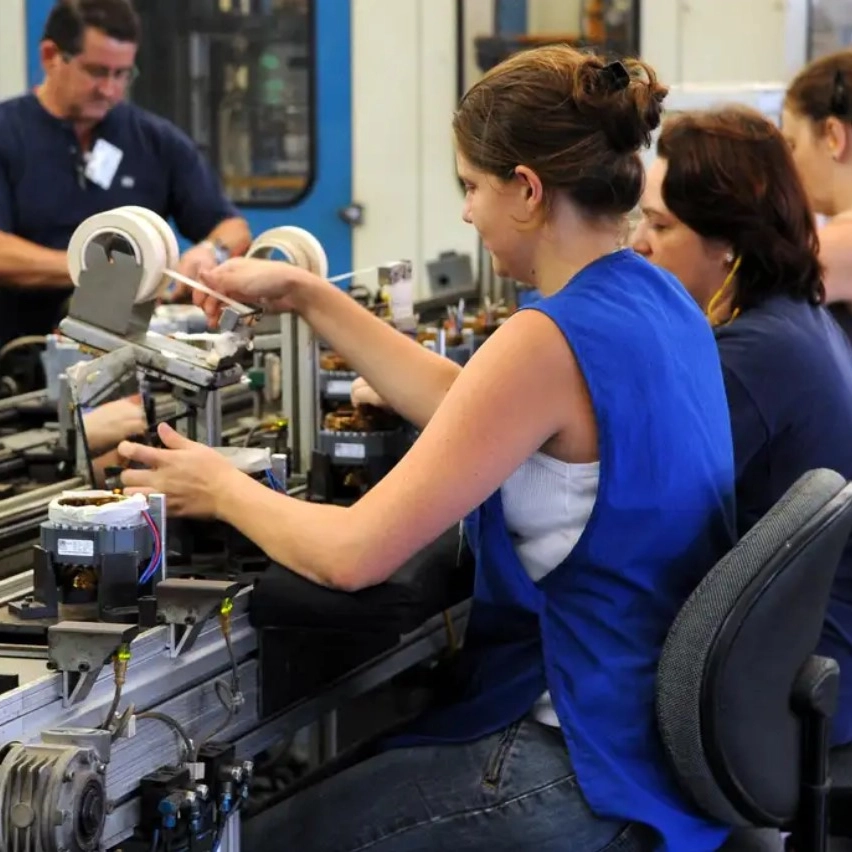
x=785, y=337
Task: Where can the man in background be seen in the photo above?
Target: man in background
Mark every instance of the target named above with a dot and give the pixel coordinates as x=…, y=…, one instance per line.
x=75, y=147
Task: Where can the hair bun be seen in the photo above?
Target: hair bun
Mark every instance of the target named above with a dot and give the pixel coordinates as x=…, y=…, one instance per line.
x=626, y=97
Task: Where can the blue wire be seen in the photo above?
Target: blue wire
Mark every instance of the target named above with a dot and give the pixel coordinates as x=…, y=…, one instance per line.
x=150, y=571
x=274, y=483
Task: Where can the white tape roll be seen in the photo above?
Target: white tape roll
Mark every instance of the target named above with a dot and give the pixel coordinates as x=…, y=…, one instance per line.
x=149, y=248
x=301, y=248
x=163, y=228
x=247, y=459
x=81, y=509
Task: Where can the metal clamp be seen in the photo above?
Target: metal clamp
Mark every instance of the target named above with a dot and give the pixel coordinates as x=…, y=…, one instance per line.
x=186, y=605
x=80, y=650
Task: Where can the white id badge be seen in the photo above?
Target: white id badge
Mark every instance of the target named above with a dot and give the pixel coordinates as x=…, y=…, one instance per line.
x=103, y=163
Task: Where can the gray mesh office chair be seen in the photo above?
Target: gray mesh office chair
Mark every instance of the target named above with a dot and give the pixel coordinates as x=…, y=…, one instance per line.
x=744, y=708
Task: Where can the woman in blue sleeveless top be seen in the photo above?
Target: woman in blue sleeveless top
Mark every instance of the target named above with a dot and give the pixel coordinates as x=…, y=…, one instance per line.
x=750, y=259
x=588, y=445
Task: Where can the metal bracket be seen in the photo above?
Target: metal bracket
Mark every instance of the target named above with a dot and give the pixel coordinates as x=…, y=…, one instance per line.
x=97, y=381
x=94, y=740
x=80, y=650
x=186, y=605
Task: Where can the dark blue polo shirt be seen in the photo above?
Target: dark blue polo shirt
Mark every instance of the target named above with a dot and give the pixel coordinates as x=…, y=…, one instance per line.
x=788, y=376
x=44, y=195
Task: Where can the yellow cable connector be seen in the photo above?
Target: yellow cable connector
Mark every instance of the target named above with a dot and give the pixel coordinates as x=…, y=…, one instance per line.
x=120, y=662
x=225, y=615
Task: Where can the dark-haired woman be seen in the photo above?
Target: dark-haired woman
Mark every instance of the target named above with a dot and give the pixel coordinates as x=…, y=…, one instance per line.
x=586, y=544
x=817, y=124
x=725, y=211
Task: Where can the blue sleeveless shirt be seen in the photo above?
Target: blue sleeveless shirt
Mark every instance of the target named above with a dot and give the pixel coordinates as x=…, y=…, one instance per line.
x=591, y=631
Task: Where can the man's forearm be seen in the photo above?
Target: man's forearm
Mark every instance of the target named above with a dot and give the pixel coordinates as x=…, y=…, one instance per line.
x=233, y=233
x=31, y=265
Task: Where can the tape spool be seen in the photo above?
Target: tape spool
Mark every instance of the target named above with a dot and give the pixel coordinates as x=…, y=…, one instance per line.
x=163, y=228
x=299, y=247
x=141, y=233
x=247, y=459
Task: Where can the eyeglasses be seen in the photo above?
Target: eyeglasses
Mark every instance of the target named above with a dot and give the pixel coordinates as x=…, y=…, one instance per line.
x=839, y=104
x=100, y=73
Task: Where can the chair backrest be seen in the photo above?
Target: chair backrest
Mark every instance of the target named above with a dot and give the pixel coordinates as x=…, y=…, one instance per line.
x=728, y=666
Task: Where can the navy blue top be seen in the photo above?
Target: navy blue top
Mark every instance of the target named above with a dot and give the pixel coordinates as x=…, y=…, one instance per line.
x=788, y=374
x=592, y=630
x=44, y=195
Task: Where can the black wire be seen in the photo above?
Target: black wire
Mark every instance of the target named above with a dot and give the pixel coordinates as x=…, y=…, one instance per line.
x=228, y=694
x=174, y=725
x=90, y=465
x=113, y=709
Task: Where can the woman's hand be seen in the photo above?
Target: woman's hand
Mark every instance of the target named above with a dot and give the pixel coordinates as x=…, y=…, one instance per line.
x=194, y=478
x=109, y=424
x=271, y=284
x=362, y=394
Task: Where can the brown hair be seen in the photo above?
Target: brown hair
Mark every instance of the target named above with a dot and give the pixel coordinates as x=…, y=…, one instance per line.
x=731, y=178
x=823, y=88
x=576, y=121
x=69, y=19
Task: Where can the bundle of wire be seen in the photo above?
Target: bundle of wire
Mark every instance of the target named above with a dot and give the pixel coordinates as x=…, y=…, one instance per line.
x=157, y=556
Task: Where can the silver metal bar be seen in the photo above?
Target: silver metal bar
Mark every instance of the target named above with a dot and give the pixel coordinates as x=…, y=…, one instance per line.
x=305, y=364
x=212, y=420
x=231, y=835
x=16, y=587
x=288, y=386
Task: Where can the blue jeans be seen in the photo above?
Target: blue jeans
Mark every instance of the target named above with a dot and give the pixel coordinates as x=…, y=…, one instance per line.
x=513, y=790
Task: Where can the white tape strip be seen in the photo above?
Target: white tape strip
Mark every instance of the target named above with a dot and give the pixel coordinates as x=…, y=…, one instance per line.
x=240, y=308
x=347, y=275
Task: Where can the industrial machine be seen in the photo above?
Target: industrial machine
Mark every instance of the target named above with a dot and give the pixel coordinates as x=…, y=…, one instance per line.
x=138, y=688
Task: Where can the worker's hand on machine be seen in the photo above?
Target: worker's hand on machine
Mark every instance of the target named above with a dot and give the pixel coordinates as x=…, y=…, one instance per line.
x=267, y=283
x=192, y=264
x=109, y=424
x=194, y=477
x=362, y=394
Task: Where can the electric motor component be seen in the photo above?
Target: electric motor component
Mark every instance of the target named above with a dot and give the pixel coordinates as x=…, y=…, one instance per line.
x=363, y=418
x=332, y=362
x=52, y=799
x=90, y=563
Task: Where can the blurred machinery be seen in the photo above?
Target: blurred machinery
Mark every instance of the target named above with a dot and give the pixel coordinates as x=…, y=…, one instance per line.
x=608, y=26
x=236, y=76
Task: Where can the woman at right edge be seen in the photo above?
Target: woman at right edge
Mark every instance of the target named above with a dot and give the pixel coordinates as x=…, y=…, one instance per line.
x=817, y=124
x=596, y=420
